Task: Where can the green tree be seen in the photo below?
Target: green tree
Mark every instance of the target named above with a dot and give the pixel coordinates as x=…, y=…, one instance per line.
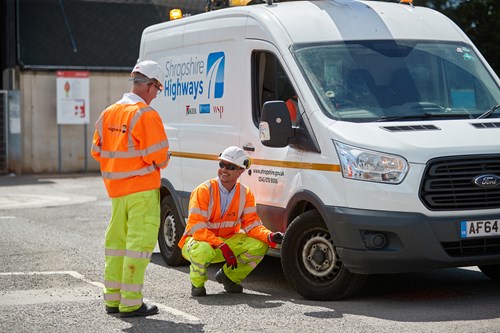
x=479, y=19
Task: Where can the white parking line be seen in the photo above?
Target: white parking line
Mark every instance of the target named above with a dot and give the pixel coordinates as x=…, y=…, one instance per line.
x=178, y=313
x=14, y=201
x=21, y=297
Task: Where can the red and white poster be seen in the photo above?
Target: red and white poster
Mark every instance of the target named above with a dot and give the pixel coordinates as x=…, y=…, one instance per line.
x=72, y=97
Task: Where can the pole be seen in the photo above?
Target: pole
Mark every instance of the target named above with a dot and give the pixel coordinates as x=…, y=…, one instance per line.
x=59, y=148
x=85, y=147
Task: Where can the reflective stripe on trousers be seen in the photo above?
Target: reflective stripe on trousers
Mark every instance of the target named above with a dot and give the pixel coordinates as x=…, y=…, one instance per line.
x=248, y=251
x=129, y=243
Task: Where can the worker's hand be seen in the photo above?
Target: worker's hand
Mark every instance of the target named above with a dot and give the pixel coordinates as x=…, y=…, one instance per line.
x=276, y=237
x=229, y=256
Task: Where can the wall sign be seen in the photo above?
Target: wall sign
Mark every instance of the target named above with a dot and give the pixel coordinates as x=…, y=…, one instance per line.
x=72, y=97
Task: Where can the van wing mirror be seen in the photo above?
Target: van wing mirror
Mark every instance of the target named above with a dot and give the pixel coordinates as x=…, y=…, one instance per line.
x=275, y=128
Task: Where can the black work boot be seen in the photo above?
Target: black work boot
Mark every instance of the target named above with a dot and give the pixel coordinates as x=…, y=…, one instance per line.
x=229, y=285
x=198, y=292
x=143, y=311
x=112, y=309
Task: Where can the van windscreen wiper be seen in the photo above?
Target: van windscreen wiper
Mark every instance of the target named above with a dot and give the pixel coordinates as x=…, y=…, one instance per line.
x=427, y=115
x=489, y=112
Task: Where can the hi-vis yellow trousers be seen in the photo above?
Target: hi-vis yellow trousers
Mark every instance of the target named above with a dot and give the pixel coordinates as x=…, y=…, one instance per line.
x=248, y=251
x=129, y=243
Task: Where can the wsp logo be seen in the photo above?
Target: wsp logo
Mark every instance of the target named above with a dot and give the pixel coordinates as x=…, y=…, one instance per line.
x=218, y=109
x=215, y=74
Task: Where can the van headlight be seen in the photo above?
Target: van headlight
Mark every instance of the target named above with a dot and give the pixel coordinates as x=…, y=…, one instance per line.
x=369, y=165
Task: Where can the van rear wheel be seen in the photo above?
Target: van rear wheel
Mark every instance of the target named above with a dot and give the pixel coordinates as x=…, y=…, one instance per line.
x=311, y=264
x=171, y=230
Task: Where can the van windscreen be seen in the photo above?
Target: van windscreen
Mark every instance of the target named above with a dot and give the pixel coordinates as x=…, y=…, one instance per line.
x=365, y=81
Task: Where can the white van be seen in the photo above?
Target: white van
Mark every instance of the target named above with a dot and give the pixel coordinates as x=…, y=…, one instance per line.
x=390, y=164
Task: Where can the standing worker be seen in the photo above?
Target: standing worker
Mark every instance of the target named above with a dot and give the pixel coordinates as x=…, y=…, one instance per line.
x=218, y=209
x=131, y=145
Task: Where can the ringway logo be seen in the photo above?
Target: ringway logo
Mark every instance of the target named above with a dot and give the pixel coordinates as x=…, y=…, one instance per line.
x=215, y=74
x=487, y=180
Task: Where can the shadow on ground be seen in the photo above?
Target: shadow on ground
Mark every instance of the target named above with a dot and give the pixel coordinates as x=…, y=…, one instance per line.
x=454, y=294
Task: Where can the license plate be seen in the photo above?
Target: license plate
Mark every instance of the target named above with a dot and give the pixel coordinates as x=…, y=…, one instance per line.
x=470, y=229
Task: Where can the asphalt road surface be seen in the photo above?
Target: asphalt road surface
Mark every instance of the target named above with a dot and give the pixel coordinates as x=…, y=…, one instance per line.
x=51, y=267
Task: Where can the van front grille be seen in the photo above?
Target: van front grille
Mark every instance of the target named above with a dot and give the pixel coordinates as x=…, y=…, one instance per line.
x=473, y=247
x=448, y=183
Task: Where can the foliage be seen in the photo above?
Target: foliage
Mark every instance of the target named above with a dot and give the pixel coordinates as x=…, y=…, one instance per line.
x=479, y=19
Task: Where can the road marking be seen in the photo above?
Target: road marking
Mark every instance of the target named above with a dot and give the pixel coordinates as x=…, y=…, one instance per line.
x=177, y=313
x=12, y=201
x=48, y=295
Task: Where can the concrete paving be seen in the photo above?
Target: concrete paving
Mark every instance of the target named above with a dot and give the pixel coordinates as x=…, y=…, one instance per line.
x=25, y=191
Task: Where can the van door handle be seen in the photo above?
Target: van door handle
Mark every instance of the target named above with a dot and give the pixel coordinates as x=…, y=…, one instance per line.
x=248, y=147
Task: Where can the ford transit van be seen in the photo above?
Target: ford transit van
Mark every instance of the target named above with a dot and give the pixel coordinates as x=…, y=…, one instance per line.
x=373, y=130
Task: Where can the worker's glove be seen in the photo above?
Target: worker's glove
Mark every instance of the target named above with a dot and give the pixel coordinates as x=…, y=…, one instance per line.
x=229, y=256
x=275, y=238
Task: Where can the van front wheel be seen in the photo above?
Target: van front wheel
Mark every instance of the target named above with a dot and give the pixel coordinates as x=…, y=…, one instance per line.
x=171, y=230
x=311, y=263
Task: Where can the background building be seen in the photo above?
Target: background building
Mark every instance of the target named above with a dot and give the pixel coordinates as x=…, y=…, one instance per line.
x=39, y=38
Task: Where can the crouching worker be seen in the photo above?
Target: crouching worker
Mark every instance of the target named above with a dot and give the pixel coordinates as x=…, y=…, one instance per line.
x=218, y=210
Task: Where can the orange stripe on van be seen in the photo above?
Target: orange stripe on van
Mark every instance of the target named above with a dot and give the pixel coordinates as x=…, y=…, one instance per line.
x=195, y=156
x=273, y=163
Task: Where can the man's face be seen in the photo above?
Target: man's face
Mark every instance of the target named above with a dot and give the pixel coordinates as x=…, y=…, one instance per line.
x=228, y=177
x=154, y=90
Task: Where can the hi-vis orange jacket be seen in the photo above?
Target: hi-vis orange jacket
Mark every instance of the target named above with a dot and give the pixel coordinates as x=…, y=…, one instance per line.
x=131, y=145
x=205, y=222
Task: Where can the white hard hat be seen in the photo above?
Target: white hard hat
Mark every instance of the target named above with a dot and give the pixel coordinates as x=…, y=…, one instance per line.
x=151, y=69
x=236, y=156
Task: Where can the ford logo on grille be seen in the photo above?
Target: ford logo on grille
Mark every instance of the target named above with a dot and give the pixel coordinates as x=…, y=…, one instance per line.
x=487, y=180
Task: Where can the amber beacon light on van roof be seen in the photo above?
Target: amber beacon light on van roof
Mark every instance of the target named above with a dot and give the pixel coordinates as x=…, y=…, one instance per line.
x=408, y=2
x=176, y=13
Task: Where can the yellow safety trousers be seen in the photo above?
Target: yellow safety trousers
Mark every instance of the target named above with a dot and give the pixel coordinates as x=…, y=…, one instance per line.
x=129, y=243
x=248, y=251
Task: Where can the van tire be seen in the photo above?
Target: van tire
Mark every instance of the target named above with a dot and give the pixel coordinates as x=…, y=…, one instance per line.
x=491, y=271
x=171, y=230
x=311, y=264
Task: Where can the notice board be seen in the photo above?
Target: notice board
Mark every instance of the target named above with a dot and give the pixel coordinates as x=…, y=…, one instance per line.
x=72, y=97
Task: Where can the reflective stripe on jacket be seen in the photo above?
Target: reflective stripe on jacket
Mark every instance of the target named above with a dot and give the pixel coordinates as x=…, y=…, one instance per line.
x=131, y=145
x=205, y=222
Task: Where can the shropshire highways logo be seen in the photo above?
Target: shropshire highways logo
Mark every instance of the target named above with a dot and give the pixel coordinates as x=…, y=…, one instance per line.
x=193, y=77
